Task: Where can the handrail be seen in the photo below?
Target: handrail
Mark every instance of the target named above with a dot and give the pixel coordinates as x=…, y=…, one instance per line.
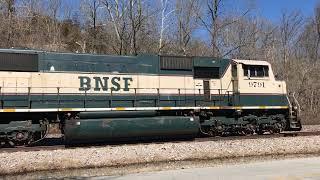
x=293, y=104
x=1, y=98
x=38, y=87
x=156, y=95
x=296, y=103
x=290, y=105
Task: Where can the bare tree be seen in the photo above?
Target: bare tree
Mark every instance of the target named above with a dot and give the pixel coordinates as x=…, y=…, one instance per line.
x=136, y=20
x=53, y=25
x=186, y=12
x=211, y=24
x=240, y=39
x=90, y=9
x=33, y=25
x=289, y=28
x=268, y=41
x=317, y=27
x=10, y=15
x=117, y=12
x=165, y=13
x=214, y=24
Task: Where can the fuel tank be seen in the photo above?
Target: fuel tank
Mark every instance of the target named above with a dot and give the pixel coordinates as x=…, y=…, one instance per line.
x=127, y=129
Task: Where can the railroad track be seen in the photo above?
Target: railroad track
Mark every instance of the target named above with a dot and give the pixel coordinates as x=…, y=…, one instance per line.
x=264, y=136
x=57, y=143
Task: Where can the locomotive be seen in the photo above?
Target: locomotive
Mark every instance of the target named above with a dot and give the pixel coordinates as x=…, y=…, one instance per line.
x=97, y=98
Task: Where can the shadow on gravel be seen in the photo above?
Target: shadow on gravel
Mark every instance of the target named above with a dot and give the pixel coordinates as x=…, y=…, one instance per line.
x=50, y=142
x=58, y=141
x=129, y=142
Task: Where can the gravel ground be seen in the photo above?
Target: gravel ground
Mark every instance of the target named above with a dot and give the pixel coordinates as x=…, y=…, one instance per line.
x=310, y=128
x=114, y=156
x=86, y=173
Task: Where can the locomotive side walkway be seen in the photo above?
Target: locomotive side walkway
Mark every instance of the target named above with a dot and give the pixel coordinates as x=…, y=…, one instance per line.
x=115, y=156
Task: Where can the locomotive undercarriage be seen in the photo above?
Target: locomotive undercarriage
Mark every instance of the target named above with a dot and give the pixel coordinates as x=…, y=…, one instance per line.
x=22, y=135
x=20, y=132
x=243, y=125
x=211, y=123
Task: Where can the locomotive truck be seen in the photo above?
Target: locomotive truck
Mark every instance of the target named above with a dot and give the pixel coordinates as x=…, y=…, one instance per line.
x=110, y=98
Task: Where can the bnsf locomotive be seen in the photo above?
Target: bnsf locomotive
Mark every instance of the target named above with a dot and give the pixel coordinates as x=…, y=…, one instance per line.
x=110, y=98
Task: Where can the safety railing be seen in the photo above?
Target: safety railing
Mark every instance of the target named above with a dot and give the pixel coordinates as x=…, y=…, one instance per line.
x=39, y=97
x=296, y=103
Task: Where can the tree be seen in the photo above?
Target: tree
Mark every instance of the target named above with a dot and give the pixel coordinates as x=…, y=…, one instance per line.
x=186, y=12
x=10, y=9
x=317, y=25
x=214, y=23
x=53, y=25
x=289, y=29
x=90, y=10
x=165, y=13
x=117, y=12
x=211, y=24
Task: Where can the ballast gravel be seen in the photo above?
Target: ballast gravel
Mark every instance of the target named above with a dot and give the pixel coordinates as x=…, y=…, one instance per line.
x=122, y=155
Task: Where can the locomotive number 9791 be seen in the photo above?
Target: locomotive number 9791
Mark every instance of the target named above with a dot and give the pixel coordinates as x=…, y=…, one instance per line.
x=256, y=84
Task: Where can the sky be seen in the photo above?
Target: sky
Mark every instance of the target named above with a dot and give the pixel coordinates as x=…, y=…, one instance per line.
x=269, y=9
x=272, y=9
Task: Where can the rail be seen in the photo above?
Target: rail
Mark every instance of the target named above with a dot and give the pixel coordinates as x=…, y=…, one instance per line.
x=55, y=143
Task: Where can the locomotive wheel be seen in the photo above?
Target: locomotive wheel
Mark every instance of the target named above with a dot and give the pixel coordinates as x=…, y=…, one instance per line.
x=20, y=138
x=23, y=138
x=271, y=131
x=249, y=129
x=260, y=132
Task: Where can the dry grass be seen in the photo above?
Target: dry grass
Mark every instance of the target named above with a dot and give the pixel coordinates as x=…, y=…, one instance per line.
x=310, y=120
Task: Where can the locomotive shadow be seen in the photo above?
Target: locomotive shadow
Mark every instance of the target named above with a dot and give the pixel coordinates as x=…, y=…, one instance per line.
x=50, y=141
x=130, y=141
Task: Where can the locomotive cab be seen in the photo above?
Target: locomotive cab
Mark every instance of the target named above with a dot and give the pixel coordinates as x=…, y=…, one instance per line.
x=256, y=77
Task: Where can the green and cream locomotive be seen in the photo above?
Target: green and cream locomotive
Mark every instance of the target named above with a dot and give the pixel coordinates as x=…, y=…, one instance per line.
x=108, y=98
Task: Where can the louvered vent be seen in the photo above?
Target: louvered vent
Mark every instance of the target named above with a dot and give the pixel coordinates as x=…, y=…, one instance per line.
x=176, y=63
x=18, y=62
x=206, y=72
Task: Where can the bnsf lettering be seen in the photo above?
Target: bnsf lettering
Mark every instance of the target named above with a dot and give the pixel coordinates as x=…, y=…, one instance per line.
x=104, y=83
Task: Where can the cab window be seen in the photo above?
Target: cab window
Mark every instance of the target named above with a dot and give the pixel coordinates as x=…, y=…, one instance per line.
x=255, y=71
